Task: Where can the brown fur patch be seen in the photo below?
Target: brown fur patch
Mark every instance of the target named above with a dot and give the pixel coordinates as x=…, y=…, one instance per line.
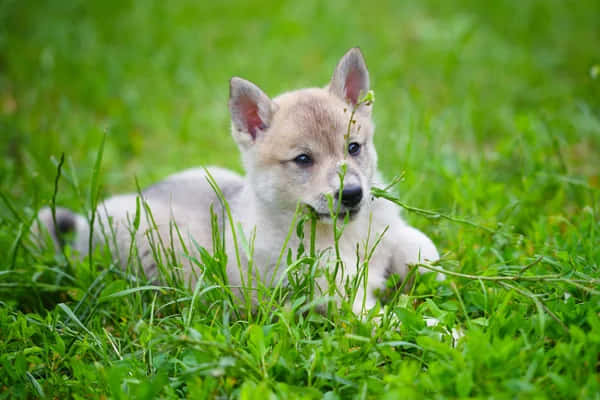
x=313, y=121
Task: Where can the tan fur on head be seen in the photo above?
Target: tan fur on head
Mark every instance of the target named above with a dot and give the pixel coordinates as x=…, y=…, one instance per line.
x=314, y=122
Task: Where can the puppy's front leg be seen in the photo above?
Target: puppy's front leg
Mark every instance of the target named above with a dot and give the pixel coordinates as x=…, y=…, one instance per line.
x=365, y=299
x=411, y=246
x=403, y=246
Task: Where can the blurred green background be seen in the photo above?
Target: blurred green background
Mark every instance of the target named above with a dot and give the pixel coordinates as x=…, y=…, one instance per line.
x=489, y=108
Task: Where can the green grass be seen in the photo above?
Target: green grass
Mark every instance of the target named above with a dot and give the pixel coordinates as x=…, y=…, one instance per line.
x=490, y=109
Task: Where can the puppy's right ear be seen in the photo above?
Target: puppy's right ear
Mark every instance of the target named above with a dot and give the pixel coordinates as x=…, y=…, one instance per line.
x=251, y=109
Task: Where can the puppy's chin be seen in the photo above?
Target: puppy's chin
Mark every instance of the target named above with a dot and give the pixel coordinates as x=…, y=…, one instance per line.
x=327, y=217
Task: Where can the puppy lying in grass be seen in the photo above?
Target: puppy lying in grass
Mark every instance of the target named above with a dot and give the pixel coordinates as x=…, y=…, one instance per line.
x=305, y=152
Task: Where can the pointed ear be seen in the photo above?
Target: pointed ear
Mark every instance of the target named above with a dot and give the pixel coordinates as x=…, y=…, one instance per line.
x=251, y=109
x=351, y=77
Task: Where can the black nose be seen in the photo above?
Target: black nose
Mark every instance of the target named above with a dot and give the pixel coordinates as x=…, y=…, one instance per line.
x=351, y=195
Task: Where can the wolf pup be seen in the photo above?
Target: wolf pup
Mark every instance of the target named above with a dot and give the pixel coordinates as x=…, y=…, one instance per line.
x=292, y=147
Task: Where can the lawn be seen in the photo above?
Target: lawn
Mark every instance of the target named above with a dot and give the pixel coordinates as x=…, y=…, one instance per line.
x=490, y=111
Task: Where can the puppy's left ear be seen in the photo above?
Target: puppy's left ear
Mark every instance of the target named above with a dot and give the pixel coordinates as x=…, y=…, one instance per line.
x=251, y=109
x=350, y=79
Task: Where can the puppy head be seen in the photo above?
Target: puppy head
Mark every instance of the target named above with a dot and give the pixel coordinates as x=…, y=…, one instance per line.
x=295, y=146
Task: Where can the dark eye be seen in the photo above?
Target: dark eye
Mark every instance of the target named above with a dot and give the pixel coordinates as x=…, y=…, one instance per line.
x=303, y=160
x=354, y=149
